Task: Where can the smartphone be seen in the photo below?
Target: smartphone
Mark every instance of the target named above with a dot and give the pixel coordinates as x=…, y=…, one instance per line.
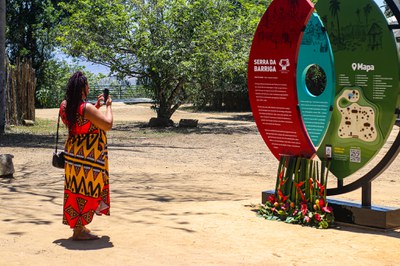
x=106, y=92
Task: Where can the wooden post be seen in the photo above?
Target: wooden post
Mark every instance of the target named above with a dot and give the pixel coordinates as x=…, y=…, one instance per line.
x=20, y=92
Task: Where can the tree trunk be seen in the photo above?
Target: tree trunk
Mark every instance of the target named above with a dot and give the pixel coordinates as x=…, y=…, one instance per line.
x=162, y=109
x=167, y=105
x=2, y=66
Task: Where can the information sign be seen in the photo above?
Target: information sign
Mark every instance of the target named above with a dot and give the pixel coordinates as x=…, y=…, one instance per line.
x=272, y=78
x=316, y=97
x=367, y=83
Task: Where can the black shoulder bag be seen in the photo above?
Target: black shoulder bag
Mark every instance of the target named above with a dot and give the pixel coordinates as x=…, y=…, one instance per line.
x=58, y=157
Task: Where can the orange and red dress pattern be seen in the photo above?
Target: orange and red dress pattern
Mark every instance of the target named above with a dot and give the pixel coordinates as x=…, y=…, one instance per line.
x=86, y=186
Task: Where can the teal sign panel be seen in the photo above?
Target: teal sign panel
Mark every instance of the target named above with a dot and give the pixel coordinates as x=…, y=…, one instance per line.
x=315, y=79
x=367, y=83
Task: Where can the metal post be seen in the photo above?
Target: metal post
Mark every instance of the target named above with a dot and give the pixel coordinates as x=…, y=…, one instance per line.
x=366, y=192
x=340, y=183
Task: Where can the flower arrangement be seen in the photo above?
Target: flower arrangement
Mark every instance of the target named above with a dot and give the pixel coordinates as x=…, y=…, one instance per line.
x=300, y=193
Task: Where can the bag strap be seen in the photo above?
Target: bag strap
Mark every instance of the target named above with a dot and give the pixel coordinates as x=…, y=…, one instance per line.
x=58, y=125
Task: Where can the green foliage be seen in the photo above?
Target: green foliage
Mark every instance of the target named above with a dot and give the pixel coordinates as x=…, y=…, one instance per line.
x=28, y=22
x=177, y=49
x=52, y=90
x=223, y=68
x=316, y=80
x=56, y=74
x=31, y=34
x=118, y=89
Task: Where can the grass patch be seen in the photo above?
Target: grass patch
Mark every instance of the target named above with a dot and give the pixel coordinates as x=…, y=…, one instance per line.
x=41, y=127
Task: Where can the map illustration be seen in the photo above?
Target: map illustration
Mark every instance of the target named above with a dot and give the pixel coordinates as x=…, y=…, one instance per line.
x=357, y=116
x=367, y=83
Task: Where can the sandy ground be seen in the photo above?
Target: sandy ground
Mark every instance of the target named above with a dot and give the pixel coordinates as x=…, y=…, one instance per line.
x=181, y=197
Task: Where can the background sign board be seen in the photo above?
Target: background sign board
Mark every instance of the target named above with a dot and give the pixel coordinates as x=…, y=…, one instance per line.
x=315, y=103
x=367, y=83
x=272, y=78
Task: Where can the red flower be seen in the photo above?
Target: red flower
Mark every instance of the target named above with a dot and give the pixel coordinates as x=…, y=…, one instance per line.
x=321, y=203
x=283, y=197
x=298, y=188
x=327, y=209
x=304, y=209
x=321, y=189
x=271, y=199
x=311, y=183
x=282, y=182
x=317, y=217
x=285, y=206
x=281, y=174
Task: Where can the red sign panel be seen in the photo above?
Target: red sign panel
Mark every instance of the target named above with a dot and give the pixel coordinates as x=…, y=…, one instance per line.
x=272, y=78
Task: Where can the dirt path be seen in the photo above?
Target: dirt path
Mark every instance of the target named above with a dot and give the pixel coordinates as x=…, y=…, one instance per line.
x=182, y=197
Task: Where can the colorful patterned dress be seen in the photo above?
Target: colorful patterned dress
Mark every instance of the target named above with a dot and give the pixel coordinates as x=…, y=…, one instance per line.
x=86, y=186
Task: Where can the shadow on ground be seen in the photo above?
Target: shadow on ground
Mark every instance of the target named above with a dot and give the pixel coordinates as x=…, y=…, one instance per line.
x=27, y=140
x=102, y=243
x=227, y=128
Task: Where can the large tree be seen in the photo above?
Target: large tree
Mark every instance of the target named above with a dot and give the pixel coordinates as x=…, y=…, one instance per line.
x=171, y=46
x=222, y=80
x=2, y=66
x=32, y=33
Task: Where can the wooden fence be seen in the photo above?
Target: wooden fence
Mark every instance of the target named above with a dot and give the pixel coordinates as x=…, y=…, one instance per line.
x=20, y=92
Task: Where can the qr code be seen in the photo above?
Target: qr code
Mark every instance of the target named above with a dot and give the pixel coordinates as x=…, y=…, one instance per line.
x=355, y=155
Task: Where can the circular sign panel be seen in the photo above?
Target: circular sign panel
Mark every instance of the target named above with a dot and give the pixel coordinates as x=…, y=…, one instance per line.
x=272, y=78
x=367, y=83
x=315, y=79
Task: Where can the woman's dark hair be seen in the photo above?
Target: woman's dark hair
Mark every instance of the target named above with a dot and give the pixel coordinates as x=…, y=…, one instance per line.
x=76, y=83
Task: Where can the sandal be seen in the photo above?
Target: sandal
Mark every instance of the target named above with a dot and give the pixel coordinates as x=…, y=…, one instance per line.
x=82, y=233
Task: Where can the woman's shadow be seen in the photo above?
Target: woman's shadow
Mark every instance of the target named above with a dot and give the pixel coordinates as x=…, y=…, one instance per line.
x=103, y=242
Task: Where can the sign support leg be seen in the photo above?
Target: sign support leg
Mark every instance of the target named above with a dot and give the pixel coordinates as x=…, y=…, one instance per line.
x=366, y=192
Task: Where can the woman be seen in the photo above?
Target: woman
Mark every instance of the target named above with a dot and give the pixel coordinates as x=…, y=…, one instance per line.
x=86, y=186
